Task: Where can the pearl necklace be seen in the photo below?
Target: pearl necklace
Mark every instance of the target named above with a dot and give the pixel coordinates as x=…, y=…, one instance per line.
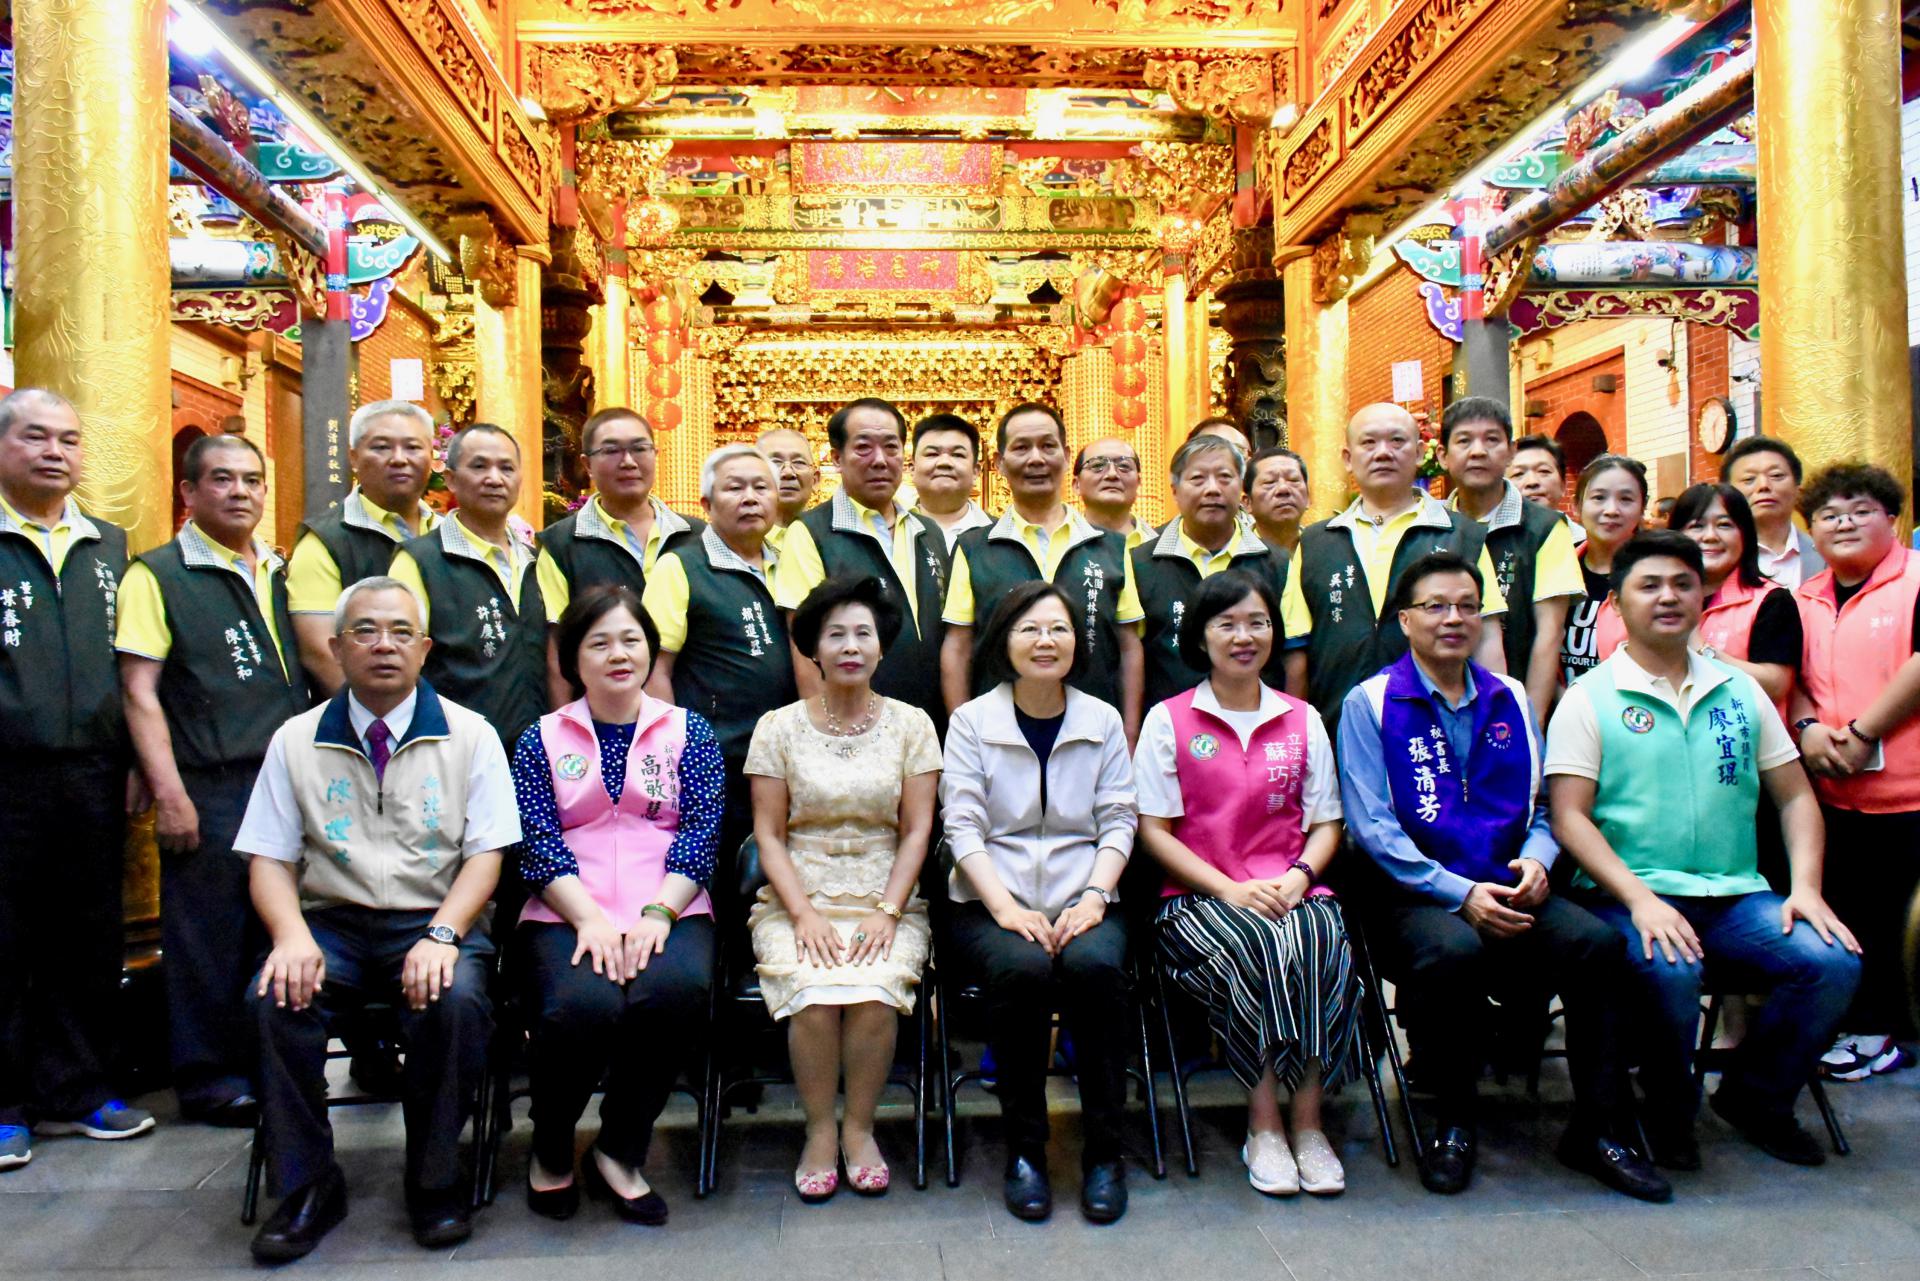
x=835, y=729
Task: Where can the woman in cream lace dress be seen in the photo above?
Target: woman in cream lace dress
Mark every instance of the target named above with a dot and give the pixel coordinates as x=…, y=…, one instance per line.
x=843, y=799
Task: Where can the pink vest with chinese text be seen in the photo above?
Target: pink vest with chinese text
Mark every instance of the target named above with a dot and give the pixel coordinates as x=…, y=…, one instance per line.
x=1848, y=657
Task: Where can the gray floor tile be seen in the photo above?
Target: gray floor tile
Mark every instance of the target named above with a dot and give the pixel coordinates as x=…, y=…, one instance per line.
x=1515, y=1247
x=1766, y=1233
x=1239, y=1254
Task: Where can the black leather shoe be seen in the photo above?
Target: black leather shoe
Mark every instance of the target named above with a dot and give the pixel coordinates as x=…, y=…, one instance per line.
x=1449, y=1164
x=240, y=1112
x=1615, y=1164
x=376, y=1069
x=1673, y=1143
x=649, y=1210
x=1028, y=1194
x=1103, y=1193
x=302, y=1220
x=1773, y=1132
x=441, y=1218
x=553, y=1203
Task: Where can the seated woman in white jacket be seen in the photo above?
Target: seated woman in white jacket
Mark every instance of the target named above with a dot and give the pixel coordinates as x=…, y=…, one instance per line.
x=1039, y=806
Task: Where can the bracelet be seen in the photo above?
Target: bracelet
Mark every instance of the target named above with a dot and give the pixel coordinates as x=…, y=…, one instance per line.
x=1858, y=733
x=662, y=910
x=1305, y=870
x=889, y=909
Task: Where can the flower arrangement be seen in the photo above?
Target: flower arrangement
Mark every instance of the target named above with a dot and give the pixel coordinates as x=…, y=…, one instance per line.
x=1432, y=466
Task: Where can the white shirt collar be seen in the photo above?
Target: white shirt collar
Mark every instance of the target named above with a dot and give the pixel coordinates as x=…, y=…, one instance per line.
x=399, y=720
x=1702, y=675
x=1271, y=704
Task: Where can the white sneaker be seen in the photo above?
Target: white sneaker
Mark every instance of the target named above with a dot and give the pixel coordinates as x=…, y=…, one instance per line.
x=1842, y=1052
x=1270, y=1164
x=1855, y=1058
x=1320, y=1170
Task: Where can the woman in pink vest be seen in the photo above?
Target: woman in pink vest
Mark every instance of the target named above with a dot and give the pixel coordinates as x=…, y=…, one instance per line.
x=1856, y=715
x=620, y=799
x=1749, y=622
x=1611, y=496
x=1240, y=803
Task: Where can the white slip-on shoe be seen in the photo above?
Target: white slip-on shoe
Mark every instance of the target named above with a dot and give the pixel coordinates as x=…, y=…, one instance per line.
x=1270, y=1164
x=1320, y=1170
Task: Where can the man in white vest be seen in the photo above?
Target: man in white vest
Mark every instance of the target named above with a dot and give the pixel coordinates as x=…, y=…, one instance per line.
x=375, y=831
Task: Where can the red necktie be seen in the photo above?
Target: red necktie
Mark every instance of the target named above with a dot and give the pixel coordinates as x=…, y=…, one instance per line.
x=379, y=748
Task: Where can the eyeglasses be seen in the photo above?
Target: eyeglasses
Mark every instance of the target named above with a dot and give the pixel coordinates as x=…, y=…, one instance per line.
x=366, y=635
x=1831, y=517
x=1254, y=627
x=639, y=451
x=790, y=464
x=1118, y=466
x=1439, y=609
x=1052, y=631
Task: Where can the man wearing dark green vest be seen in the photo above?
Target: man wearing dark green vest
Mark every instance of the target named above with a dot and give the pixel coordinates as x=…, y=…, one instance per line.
x=618, y=534
x=1656, y=760
x=1339, y=630
x=390, y=447
x=210, y=668
x=482, y=608
x=1040, y=537
x=1531, y=546
x=723, y=643
x=63, y=784
x=863, y=531
x=1206, y=538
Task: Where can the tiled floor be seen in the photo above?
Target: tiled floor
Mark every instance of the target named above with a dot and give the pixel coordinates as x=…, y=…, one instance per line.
x=167, y=1206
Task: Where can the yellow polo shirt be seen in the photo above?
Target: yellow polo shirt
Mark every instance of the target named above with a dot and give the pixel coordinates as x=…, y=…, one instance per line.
x=509, y=566
x=1049, y=549
x=801, y=570
x=55, y=539
x=669, y=594
x=313, y=577
x=140, y=626
x=1375, y=547
x=558, y=592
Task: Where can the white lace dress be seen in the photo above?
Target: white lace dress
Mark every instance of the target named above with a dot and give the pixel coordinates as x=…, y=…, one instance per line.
x=843, y=824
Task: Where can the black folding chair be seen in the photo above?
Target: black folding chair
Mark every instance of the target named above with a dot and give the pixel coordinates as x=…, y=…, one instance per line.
x=742, y=1023
x=1708, y=1059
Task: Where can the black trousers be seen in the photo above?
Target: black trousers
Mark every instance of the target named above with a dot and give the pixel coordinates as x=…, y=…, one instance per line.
x=63, y=841
x=1448, y=970
x=736, y=825
x=445, y=1045
x=1872, y=872
x=213, y=941
x=1089, y=986
x=636, y=1037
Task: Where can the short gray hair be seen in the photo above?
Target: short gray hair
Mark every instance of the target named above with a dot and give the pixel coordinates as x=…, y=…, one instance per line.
x=459, y=439
x=1205, y=443
x=374, y=583
x=363, y=418
x=12, y=405
x=710, y=469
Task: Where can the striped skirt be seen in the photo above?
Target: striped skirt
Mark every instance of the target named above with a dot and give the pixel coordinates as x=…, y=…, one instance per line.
x=1279, y=994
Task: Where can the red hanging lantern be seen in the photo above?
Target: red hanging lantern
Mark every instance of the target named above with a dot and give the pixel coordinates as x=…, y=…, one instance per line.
x=1130, y=412
x=663, y=347
x=663, y=415
x=1129, y=349
x=1129, y=380
x=663, y=382
x=1130, y=315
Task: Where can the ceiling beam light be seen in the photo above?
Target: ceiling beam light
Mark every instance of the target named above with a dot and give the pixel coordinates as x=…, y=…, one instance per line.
x=193, y=29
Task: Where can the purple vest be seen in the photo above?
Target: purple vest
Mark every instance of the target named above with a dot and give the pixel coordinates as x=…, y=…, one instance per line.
x=1468, y=816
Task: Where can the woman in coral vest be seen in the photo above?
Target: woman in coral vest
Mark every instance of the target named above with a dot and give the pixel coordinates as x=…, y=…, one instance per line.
x=1240, y=804
x=620, y=799
x=1612, y=498
x=1855, y=717
x=1040, y=818
x=1749, y=622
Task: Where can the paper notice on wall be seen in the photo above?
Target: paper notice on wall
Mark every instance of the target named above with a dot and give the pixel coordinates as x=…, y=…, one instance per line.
x=1409, y=384
x=409, y=379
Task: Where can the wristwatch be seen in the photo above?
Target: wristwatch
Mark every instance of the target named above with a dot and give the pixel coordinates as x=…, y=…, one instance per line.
x=441, y=934
x=1800, y=726
x=1106, y=896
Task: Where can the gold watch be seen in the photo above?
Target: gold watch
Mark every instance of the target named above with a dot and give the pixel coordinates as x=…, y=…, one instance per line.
x=889, y=909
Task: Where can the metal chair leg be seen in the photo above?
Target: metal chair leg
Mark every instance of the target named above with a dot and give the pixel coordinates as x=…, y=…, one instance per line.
x=1182, y=1111
x=1372, y=1072
x=1834, y=1133
x=923, y=1016
x=1374, y=997
x=1155, y=1137
x=256, y=1168
x=948, y=1103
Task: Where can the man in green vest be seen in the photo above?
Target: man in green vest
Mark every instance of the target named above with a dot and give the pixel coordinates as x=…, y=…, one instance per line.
x=1531, y=546
x=1206, y=538
x=1040, y=537
x=210, y=668
x=723, y=642
x=619, y=532
x=1656, y=759
x=63, y=784
x=1338, y=627
x=862, y=530
x=483, y=609
x=390, y=447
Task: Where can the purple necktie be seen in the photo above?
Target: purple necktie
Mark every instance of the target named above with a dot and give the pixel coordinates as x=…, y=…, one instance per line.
x=379, y=748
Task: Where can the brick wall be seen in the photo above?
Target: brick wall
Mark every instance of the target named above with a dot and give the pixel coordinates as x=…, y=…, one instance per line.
x=1388, y=323
x=1709, y=369
x=1561, y=394
x=402, y=336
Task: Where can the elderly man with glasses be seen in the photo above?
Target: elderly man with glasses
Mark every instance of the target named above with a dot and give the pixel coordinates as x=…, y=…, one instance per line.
x=375, y=834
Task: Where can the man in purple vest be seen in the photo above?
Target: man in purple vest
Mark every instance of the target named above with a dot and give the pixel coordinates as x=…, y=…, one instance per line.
x=1440, y=781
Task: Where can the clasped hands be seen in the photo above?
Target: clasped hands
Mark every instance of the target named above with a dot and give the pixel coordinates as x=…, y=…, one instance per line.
x=1503, y=911
x=1834, y=753
x=1074, y=920
x=621, y=956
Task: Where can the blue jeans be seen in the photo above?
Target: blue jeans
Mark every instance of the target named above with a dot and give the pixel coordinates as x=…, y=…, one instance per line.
x=1808, y=982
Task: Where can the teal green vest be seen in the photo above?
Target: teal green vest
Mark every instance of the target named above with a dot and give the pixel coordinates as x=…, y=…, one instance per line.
x=1678, y=803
